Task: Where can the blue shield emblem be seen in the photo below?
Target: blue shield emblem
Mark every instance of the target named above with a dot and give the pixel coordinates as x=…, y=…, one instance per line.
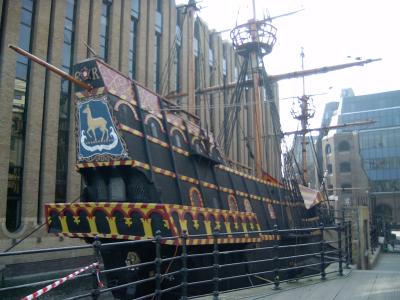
x=97, y=133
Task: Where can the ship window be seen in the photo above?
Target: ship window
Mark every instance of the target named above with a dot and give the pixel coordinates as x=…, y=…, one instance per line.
x=177, y=137
x=247, y=205
x=345, y=167
x=195, y=197
x=232, y=203
x=154, y=129
x=344, y=146
x=178, y=140
x=328, y=149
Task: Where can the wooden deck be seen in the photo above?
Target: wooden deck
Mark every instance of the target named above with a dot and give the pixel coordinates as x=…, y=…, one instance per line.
x=383, y=282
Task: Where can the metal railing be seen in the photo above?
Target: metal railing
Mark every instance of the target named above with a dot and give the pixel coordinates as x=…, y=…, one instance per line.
x=285, y=261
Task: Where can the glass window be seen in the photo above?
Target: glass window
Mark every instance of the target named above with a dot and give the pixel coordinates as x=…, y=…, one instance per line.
x=65, y=103
x=24, y=37
x=132, y=47
x=329, y=168
x=135, y=6
x=26, y=17
x=177, y=58
x=27, y=4
x=345, y=167
x=19, y=111
x=157, y=62
x=344, y=146
x=21, y=71
x=153, y=128
x=178, y=139
x=159, y=6
x=104, y=28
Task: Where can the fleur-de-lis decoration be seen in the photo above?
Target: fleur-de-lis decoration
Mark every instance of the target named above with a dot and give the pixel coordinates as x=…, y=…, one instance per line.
x=251, y=226
x=128, y=222
x=196, y=224
x=217, y=225
x=165, y=223
x=236, y=225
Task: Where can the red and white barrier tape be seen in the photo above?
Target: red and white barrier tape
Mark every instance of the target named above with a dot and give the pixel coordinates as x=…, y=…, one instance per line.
x=61, y=281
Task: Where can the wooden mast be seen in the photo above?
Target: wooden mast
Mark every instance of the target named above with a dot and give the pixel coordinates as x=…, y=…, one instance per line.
x=257, y=108
x=253, y=41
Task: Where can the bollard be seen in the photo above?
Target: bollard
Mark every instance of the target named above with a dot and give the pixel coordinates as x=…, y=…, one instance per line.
x=276, y=259
x=339, y=231
x=158, y=263
x=216, y=265
x=322, y=252
x=184, y=269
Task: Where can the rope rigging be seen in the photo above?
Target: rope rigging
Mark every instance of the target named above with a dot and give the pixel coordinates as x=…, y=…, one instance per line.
x=225, y=134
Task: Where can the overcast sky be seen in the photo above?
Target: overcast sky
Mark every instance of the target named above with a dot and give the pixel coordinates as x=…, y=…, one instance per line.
x=329, y=31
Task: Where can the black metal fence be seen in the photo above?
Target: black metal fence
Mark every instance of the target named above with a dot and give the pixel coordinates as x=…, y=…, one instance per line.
x=313, y=256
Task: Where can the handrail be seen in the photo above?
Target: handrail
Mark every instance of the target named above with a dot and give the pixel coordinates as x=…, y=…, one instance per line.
x=281, y=265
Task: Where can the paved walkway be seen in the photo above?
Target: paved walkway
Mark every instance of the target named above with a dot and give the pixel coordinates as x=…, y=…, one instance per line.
x=381, y=283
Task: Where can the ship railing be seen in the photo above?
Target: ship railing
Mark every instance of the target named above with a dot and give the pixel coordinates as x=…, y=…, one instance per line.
x=284, y=259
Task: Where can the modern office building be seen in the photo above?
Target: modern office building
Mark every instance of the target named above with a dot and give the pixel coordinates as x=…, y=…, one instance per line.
x=329, y=110
x=363, y=162
x=147, y=40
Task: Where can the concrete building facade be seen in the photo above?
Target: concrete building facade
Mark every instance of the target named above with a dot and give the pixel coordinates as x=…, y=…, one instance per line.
x=147, y=40
x=362, y=162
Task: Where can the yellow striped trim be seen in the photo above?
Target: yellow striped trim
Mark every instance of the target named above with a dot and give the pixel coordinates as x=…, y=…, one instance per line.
x=209, y=185
x=131, y=130
x=246, y=175
x=188, y=179
x=157, y=141
x=180, y=151
x=140, y=165
x=164, y=172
